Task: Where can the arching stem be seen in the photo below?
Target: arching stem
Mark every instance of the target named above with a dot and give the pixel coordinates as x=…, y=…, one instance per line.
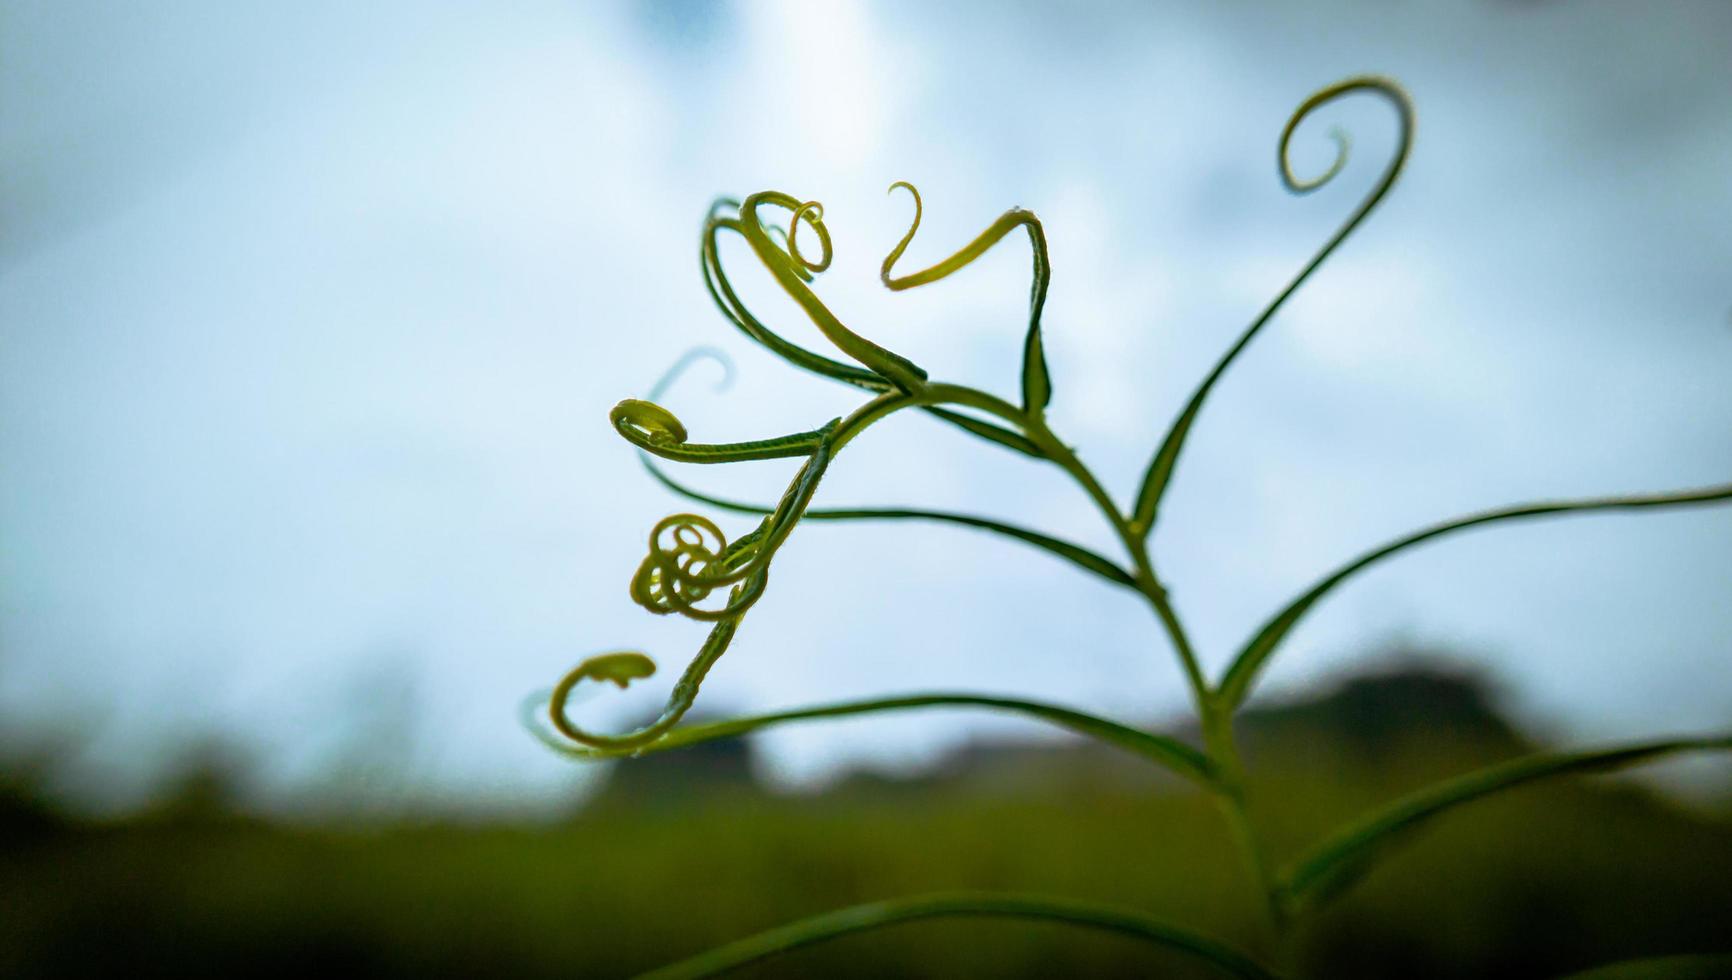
x=1214, y=712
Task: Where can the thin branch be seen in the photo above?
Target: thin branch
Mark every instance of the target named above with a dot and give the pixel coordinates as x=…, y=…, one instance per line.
x=878, y=915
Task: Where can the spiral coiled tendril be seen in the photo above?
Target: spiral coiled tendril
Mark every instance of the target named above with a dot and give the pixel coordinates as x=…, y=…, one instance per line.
x=690, y=558
x=813, y=212
x=672, y=575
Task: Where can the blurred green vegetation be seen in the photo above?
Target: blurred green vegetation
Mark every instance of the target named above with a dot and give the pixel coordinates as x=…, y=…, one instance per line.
x=686, y=851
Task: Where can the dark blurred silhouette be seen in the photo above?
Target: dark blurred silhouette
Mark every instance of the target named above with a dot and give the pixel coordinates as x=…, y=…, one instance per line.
x=670, y=778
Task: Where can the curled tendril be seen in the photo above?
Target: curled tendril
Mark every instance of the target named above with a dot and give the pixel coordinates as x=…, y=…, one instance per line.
x=1343, y=145
x=907, y=238
x=1036, y=380
x=813, y=212
x=654, y=429
x=1159, y=474
x=892, y=367
x=722, y=292
x=647, y=424
x=1404, y=140
x=622, y=669
x=690, y=558
x=780, y=234
x=681, y=557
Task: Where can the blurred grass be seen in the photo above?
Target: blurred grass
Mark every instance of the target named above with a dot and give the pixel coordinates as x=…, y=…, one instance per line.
x=1546, y=881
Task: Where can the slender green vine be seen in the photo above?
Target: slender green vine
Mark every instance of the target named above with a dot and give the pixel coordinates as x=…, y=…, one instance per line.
x=693, y=570
x=879, y=915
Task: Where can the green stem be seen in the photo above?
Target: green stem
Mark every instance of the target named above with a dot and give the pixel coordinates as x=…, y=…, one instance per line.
x=1136, y=547
x=1163, y=606
x=1215, y=713
x=1216, y=716
x=1222, y=749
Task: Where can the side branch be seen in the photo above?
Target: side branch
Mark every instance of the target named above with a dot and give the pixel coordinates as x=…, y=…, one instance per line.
x=1076, y=554
x=1339, y=861
x=1236, y=684
x=1163, y=750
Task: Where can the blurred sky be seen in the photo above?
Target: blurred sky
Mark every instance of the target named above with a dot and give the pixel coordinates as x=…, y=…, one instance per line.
x=311, y=315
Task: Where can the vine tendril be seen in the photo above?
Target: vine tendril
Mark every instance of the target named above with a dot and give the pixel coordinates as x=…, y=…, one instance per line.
x=892, y=367
x=622, y=669
x=1160, y=471
x=1036, y=381
x=1283, y=160
x=654, y=429
x=728, y=301
x=683, y=568
x=813, y=212
x=722, y=293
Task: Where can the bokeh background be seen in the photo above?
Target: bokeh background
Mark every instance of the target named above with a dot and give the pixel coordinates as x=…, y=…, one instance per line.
x=311, y=315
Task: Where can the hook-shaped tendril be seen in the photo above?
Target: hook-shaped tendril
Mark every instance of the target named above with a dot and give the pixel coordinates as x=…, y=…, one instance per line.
x=813, y=212
x=1159, y=474
x=1036, y=380
x=654, y=429
x=622, y=669
x=1343, y=145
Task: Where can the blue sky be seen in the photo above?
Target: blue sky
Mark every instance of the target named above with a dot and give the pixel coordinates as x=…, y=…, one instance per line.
x=310, y=318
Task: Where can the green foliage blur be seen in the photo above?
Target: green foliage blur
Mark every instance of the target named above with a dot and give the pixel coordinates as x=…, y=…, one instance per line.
x=687, y=850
